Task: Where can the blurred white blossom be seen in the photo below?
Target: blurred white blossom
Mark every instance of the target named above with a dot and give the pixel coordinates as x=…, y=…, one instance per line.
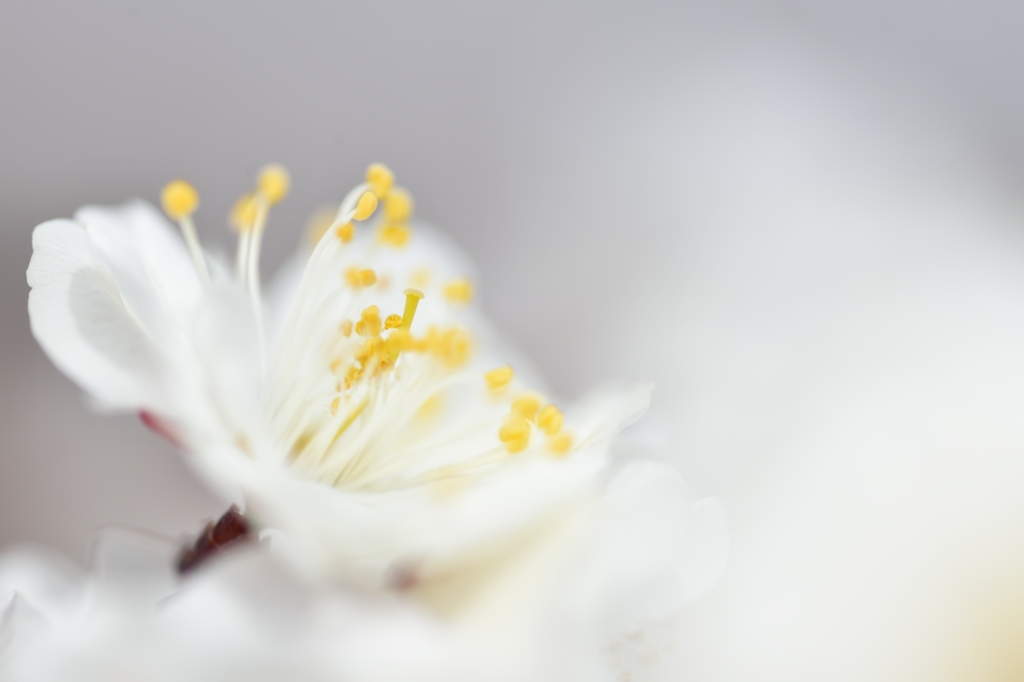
x=398, y=455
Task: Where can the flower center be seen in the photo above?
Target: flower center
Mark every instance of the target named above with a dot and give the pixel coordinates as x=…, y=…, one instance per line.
x=355, y=394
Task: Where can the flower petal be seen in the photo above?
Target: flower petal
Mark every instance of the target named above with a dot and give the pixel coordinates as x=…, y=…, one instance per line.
x=657, y=548
x=80, y=319
x=148, y=260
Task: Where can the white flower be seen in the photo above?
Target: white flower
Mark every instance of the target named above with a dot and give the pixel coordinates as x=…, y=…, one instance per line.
x=364, y=414
x=130, y=619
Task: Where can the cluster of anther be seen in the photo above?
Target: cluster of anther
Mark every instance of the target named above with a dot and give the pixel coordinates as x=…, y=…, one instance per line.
x=527, y=416
x=230, y=530
x=363, y=350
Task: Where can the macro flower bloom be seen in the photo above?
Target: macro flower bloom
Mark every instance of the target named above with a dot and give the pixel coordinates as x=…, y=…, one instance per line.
x=365, y=415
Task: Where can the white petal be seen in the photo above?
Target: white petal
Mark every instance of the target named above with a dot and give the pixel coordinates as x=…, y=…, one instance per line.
x=365, y=537
x=226, y=354
x=49, y=581
x=79, y=318
x=656, y=549
x=148, y=259
x=604, y=412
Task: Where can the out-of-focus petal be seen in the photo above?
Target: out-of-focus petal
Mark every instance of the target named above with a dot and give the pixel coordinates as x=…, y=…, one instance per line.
x=656, y=548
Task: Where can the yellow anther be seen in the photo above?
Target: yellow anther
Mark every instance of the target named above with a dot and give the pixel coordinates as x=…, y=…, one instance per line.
x=421, y=345
x=179, y=199
x=526, y=406
x=243, y=213
x=366, y=205
x=369, y=323
x=398, y=206
x=412, y=300
x=380, y=178
x=514, y=433
x=560, y=444
x=358, y=278
x=346, y=328
x=549, y=419
x=335, y=404
x=346, y=232
x=498, y=379
x=374, y=350
x=453, y=346
x=394, y=235
x=335, y=365
x=273, y=183
x=459, y=291
x=352, y=375
x=398, y=341
x=392, y=321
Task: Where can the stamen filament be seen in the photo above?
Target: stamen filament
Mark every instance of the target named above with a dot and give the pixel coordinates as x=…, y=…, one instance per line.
x=242, y=259
x=188, y=232
x=180, y=200
x=253, y=273
x=321, y=258
x=348, y=420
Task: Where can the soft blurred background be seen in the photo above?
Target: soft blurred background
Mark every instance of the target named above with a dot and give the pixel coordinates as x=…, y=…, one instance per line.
x=803, y=219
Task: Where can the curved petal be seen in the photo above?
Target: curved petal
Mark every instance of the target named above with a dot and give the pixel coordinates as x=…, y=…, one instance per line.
x=80, y=319
x=117, y=305
x=148, y=261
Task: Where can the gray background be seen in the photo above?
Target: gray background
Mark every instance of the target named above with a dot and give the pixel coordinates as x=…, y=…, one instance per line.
x=802, y=219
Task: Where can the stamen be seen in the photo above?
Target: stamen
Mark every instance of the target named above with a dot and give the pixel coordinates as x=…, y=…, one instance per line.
x=380, y=179
x=498, y=379
x=412, y=299
x=452, y=345
x=392, y=321
x=560, y=444
x=303, y=314
x=366, y=205
x=346, y=232
x=394, y=235
x=180, y=201
x=398, y=206
x=526, y=406
x=348, y=420
x=550, y=420
x=242, y=219
x=360, y=278
x=272, y=184
x=369, y=323
x=459, y=291
x=514, y=433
